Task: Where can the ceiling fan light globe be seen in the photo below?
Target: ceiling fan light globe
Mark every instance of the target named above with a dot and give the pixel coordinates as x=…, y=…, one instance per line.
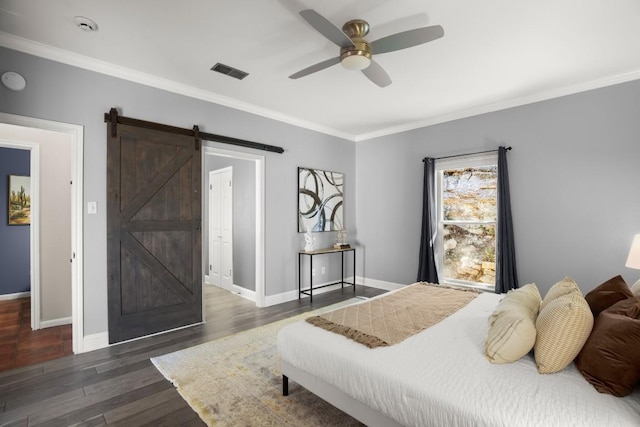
x=355, y=62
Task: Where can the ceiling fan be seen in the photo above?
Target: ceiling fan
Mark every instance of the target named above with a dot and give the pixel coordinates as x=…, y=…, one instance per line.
x=356, y=53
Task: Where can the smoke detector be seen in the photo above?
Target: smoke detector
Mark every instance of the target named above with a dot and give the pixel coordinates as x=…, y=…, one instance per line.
x=85, y=24
x=14, y=81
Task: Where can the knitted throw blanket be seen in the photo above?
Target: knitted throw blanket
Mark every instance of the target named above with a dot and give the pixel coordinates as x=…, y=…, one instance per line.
x=395, y=317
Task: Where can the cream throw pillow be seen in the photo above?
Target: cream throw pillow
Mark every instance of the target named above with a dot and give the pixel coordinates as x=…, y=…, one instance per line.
x=563, y=287
x=635, y=289
x=528, y=295
x=512, y=327
x=563, y=326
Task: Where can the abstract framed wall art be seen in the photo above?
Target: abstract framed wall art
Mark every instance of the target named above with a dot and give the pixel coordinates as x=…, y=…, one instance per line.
x=320, y=200
x=19, y=200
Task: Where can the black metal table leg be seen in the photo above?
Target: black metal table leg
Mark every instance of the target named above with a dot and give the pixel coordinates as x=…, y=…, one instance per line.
x=354, y=270
x=342, y=270
x=299, y=275
x=285, y=385
x=311, y=278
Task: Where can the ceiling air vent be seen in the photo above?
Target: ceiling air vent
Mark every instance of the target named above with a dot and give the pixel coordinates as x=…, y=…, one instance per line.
x=229, y=71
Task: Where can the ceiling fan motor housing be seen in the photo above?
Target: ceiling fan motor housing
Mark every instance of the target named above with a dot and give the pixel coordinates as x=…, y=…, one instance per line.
x=358, y=56
x=356, y=28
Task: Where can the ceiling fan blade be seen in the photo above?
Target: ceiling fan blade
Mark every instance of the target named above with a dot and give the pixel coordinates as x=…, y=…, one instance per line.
x=377, y=74
x=406, y=39
x=326, y=28
x=315, y=67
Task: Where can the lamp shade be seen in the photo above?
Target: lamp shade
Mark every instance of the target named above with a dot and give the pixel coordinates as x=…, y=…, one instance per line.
x=633, y=260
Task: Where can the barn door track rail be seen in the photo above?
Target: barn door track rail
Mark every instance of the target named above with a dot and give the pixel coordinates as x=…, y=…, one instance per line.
x=114, y=119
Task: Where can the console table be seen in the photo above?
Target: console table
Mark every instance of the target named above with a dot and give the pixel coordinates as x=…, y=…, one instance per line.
x=326, y=251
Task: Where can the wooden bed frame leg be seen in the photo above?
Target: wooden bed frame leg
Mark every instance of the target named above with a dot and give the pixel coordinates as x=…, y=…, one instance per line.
x=285, y=385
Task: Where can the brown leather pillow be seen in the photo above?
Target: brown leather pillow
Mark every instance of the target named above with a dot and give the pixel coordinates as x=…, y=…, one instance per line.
x=607, y=294
x=610, y=359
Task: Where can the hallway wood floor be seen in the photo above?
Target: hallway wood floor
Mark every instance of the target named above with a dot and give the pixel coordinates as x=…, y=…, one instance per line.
x=119, y=385
x=20, y=346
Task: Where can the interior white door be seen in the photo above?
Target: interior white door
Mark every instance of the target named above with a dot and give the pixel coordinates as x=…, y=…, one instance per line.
x=221, y=228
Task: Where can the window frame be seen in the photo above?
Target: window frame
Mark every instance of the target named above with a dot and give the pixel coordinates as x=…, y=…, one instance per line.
x=459, y=162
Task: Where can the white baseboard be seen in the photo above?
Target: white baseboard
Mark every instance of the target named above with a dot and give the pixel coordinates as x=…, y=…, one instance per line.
x=15, y=296
x=276, y=299
x=243, y=292
x=56, y=322
x=379, y=284
x=95, y=342
x=239, y=290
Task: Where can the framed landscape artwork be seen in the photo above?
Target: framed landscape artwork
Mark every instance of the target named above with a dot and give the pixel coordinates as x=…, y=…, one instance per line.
x=19, y=200
x=320, y=200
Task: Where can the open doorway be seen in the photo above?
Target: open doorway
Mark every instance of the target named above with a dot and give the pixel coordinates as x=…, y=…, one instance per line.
x=46, y=255
x=247, y=271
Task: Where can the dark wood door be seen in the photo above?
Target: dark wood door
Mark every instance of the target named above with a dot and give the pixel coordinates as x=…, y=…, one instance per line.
x=153, y=232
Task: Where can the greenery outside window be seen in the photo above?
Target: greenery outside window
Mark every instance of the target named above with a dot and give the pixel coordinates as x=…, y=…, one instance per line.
x=467, y=215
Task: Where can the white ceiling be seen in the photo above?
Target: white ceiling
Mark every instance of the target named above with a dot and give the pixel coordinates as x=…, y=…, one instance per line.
x=494, y=54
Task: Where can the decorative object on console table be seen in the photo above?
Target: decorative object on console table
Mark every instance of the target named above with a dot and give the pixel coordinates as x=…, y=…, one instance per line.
x=309, y=241
x=341, y=240
x=320, y=200
x=19, y=200
x=633, y=261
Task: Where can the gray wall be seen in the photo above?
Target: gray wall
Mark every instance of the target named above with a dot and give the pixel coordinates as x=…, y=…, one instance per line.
x=71, y=95
x=574, y=174
x=244, y=218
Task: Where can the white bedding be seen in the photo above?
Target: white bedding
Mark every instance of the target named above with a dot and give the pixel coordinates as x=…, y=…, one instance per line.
x=440, y=377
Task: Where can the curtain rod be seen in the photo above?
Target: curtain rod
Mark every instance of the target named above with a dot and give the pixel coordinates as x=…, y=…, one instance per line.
x=463, y=155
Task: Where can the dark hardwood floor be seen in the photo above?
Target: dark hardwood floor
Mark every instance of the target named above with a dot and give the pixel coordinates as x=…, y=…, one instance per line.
x=119, y=385
x=20, y=346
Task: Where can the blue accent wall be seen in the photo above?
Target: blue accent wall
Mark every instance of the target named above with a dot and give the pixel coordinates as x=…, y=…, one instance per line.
x=14, y=239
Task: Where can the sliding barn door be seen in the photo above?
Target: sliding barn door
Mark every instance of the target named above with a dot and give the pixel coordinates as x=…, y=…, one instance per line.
x=153, y=228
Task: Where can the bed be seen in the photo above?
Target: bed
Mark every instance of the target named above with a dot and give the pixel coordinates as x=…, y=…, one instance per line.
x=440, y=377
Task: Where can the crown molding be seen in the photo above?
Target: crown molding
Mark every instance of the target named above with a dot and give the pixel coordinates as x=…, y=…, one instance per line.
x=92, y=64
x=85, y=62
x=503, y=105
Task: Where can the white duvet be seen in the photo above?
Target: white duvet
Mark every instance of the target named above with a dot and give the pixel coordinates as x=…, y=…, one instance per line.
x=440, y=377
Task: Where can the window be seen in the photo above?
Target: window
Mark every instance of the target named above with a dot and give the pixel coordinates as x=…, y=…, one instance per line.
x=467, y=214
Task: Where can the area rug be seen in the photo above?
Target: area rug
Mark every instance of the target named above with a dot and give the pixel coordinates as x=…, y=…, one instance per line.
x=235, y=381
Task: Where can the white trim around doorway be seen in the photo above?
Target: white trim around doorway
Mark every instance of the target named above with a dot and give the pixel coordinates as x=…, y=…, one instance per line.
x=76, y=134
x=259, y=161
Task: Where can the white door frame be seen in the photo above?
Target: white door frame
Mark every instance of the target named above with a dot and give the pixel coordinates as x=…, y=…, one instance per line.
x=259, y=161
x=76, y=134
